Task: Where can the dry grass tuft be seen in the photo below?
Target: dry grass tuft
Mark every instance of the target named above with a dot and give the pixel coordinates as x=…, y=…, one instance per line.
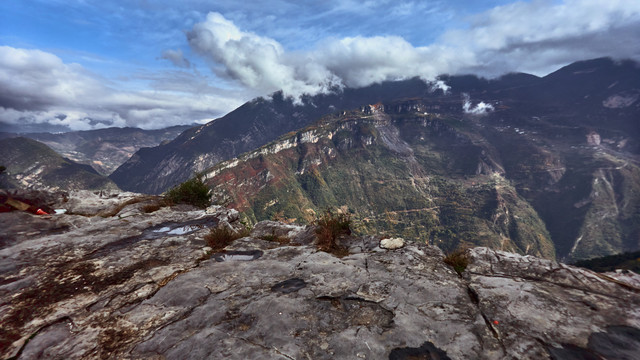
x=458, y=259
x=282, y=240
x=328, y=228
x=220, y=237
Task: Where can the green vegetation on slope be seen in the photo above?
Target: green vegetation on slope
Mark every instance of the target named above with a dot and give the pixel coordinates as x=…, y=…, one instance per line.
x=628, y=261
x=522, y=178
x=390, y=192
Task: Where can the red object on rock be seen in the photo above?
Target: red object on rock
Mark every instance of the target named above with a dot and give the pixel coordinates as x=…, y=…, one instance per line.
x=41, y=212
x=496, y=322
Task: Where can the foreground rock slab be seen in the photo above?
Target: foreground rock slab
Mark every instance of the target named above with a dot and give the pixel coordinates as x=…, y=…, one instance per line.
x=144, y=286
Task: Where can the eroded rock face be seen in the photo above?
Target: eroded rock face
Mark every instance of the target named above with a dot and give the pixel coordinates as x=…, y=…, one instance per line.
x=143, y=287
x=542, y=306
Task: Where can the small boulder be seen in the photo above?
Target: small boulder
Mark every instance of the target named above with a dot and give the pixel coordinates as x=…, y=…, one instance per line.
x=392, y=243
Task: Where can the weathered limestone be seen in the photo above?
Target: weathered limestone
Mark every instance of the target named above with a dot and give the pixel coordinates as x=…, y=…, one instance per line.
x=143, y=287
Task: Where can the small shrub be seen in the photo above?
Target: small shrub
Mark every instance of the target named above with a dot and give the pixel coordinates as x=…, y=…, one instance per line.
x=218, y=238
x=458, y=259
x=329, y=227
x=193, y=191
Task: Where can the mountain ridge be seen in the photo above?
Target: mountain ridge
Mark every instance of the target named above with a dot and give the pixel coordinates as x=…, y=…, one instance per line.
x=251, y=125
x=259, y=121
x=537, y=158
x=33, y=165
x=102, y=149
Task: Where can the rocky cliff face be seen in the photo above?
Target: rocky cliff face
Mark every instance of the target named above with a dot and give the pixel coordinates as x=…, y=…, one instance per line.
x=139, y=285
x=423, y=168
x=244, y=129
x=404, y=172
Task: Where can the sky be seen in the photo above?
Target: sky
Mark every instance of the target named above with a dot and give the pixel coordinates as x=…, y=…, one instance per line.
x=85, y=64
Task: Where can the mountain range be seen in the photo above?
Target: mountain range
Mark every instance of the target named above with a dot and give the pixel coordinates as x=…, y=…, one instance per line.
x=257, y=122
x=73, y=160
x=30, y=164
x=546, y=166
x=103, y=149
x=584, y=84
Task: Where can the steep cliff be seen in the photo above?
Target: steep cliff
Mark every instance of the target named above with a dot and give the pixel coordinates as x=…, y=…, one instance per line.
x=424, y=168
x=408, y=173
x=154, y=170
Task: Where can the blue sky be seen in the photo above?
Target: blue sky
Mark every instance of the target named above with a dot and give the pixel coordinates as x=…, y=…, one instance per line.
x=83, y=64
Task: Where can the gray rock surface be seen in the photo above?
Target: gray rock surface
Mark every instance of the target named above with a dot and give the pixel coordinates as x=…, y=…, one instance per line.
x=145, y=287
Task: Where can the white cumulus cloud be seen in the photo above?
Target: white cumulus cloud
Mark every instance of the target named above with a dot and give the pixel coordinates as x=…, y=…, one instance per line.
x=262, y=63
x=480, y=108
x=539, y=36
x=536, y=37
x=38, y=87
x=257, y=62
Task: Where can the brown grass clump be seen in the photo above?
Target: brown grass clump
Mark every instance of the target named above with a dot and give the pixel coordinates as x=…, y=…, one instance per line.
x=155, y=206
x=328, y=228
x=458, y=259
x=220, y=237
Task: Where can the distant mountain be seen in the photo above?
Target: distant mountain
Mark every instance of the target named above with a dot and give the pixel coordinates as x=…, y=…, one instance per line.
x=33, y=165
x=547, y=175
x=401, y=169
x=103, y=149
